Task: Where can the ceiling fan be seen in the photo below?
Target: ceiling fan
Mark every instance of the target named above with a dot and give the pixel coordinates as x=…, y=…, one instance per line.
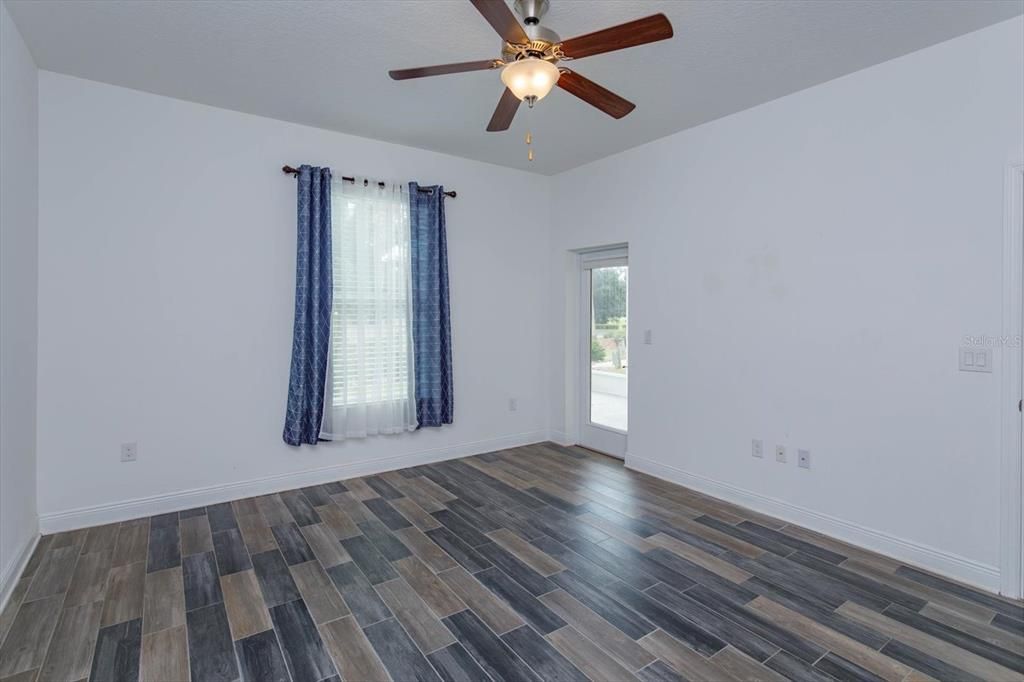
x=529, y=55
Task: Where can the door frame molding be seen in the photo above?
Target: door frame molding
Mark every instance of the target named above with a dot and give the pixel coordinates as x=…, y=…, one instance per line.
x=1011, y=525
x=577, y=350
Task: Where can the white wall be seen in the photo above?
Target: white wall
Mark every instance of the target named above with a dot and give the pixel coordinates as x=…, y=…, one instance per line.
x=809, y=268
x=19, y=147
x=167, y=269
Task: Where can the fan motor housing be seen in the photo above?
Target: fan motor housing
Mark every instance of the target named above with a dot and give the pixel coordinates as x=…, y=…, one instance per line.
x=544, y=43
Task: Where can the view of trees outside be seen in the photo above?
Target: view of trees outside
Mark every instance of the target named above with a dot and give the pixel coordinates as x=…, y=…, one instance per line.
x=608, y=349
x=609, y=354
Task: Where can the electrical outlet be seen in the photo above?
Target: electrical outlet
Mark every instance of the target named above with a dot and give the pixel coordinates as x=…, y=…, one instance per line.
x=756, y=448
x=780, y=453
x=803, y=459
x=129, y=452
x=513, y=404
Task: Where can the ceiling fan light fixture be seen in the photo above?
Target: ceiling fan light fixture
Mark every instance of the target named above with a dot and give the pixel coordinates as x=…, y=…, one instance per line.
x=530, y=77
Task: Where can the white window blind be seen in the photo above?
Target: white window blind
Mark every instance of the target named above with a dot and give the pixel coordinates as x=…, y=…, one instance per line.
x=370, y=387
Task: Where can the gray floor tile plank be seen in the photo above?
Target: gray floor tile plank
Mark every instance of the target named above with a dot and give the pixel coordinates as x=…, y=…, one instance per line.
x=682, y=629
x=387, y=514
x=383, y=488
x=532, y=581
x=1014, y=660
x=72, y=645
x=211, y=653
x=89, y=582
x=757, y=624
x=927, y=664
x=118, y=652
x=543, y=658
x=492, y=654
x=132, y=542
x=794, y=543
x=260, y=658
x=605, y=604
x=351, y=651
x=164, y=547
x=317, y=495
x=386, y=542
x=997, y=604
x=373, y=564
x=201, y=581
x=303, y=649
x=842, y=669
x=522, y=602
x=165, y=655
x=125, y=593
x=454, y=664
x=101, y=538
x=399, y=653
x=247, y=612
x=276, y=582
x=415, y=616
x=25, y=646
x=54, y=574
x=321, y=596
x=294, y=547
x=221, y=517
x=195, y=535
x=659, y=671
x=466, y=556
x=164, y=600
x=795, y=669
x=229, y=548
x=300, y=508
x=359, y=595
x=739, y=637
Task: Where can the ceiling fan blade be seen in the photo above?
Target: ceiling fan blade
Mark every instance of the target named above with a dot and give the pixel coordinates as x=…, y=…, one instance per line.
x=500, y=17
x=640, y=32
x=441, y=69
x=506, y=110
x=593, y=94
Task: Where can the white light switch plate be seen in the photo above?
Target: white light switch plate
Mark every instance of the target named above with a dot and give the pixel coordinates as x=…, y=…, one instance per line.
x=975, y=359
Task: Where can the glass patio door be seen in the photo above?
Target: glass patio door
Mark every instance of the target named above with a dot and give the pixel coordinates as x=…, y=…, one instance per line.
x=604, y=318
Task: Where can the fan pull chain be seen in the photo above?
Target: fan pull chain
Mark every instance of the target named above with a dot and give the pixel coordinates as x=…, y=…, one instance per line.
x=529, y=148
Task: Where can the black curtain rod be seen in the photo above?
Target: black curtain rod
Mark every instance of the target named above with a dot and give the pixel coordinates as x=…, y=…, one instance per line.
x=295, y=171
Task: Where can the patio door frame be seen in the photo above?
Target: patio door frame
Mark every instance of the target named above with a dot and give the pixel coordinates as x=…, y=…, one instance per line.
x=606, y=439
x=1011, y=546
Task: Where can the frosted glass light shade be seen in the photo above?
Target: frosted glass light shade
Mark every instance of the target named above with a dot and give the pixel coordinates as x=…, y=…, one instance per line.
x=530, y=77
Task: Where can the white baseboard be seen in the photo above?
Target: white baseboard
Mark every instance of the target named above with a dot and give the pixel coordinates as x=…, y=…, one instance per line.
x=936, y=560
x=12, y=572
x=85, y=517
x=560, y=438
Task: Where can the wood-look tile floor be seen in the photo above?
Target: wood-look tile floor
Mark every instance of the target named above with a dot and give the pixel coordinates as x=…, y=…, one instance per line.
x=532, y=563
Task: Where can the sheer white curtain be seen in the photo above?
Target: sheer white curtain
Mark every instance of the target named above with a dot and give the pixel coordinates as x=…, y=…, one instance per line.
x=370, y=374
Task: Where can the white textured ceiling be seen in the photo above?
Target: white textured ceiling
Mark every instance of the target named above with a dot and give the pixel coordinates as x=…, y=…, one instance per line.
x=325, y=63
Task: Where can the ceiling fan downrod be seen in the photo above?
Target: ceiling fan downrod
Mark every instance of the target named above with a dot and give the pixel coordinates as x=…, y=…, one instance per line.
x=531, y=10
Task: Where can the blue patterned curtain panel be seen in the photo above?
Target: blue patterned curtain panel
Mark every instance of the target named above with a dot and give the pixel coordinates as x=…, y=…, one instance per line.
x=431, y=316
x=313, y=286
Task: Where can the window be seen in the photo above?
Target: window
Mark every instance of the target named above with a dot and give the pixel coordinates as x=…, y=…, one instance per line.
x=370, y=372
